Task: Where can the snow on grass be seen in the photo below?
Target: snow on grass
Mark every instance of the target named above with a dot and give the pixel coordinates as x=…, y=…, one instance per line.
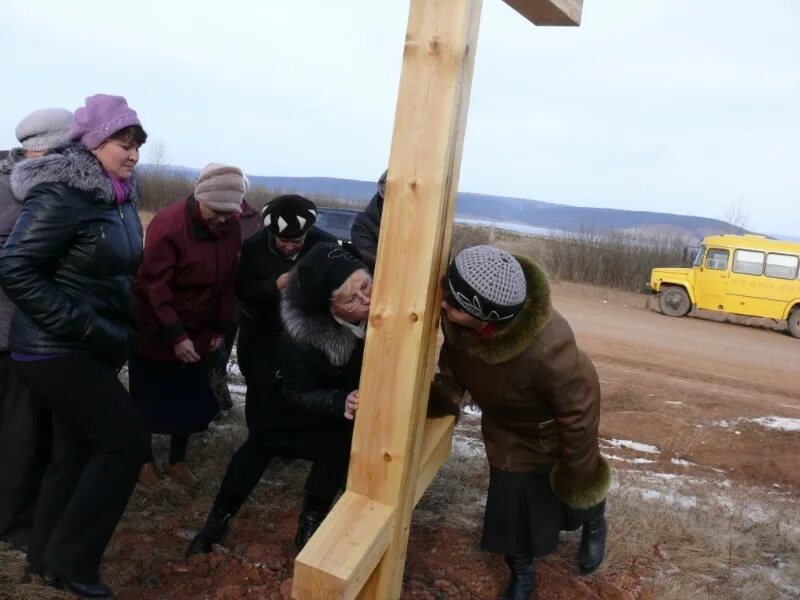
x=635, y=461
x=630, y=445
x=467, y=446
x=782, y=423
x=775, y=423
x=472, y=409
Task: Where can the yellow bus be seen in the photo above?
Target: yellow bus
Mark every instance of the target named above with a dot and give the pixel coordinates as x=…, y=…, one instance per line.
x=738, y=274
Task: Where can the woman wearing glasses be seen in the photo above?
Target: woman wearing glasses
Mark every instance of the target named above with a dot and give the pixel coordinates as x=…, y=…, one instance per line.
x=184, y=300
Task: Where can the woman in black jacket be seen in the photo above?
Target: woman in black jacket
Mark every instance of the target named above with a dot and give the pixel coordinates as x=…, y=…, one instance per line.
x=266, y=258
x=315, y=392
x=68, y=266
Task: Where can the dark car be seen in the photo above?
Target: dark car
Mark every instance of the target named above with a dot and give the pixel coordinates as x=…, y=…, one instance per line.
x=336, y=221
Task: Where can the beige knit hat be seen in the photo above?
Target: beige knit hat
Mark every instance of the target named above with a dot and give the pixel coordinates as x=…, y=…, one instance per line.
x=221, y=187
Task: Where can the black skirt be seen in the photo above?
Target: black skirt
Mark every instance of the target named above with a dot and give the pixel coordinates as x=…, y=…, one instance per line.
x=523, y=514
x=174, y=398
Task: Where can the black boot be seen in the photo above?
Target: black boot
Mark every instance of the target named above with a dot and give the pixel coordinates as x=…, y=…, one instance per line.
x=593, y=540
x=212, y=532
x=522, y=583
x=309, y=522
x=86, y=590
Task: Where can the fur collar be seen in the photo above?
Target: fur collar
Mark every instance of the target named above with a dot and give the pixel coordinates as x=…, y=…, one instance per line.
x=73, y=166
x=320, y=331
x=512, y=340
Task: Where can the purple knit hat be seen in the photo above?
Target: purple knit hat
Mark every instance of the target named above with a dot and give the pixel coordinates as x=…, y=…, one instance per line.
x=102, y=117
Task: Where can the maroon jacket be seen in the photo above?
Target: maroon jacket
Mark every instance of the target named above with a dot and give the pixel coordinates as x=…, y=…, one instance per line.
x=185, y=285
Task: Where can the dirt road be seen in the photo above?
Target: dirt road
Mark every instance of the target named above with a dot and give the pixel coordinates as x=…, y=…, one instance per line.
x=719, y=395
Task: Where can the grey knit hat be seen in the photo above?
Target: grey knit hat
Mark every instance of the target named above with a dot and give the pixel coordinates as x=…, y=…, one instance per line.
x=221, y=187
x=44, y=129
x=486, y=282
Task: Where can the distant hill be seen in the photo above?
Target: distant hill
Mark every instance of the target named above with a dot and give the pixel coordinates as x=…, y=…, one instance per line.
x=531, y=213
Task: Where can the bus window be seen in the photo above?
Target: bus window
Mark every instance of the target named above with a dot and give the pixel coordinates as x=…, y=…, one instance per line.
x=717, y=259
x=782, y=266
x=697, y=257
x=748, y=262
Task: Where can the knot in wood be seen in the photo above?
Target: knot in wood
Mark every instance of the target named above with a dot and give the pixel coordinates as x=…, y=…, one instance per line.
x=387, y=457
x=435, y=46
x=413, y=316
x=376, y=320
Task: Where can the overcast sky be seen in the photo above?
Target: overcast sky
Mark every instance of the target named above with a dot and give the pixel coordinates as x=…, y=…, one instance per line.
x=684, y=106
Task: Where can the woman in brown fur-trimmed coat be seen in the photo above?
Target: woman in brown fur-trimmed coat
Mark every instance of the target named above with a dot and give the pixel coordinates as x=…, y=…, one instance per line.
x=540, y=400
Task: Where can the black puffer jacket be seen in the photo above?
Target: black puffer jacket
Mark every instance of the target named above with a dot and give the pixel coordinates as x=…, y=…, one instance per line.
x=320, y=360
x=260, y=265
x=366, y=230
x=69, y=263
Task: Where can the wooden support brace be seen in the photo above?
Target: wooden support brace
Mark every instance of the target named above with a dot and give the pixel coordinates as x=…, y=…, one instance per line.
x=436, y=444
x=549, y=12
x=344, y=551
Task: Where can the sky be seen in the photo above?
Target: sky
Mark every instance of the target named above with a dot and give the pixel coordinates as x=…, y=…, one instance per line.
x=679, y=106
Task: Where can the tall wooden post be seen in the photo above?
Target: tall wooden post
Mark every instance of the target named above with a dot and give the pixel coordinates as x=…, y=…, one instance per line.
x=359, y=551
x=424, y=166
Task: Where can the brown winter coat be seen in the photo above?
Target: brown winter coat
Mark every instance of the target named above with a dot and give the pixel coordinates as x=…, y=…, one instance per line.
x=538, y=392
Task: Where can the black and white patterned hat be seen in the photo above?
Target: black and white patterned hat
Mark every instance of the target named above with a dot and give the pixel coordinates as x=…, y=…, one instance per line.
x=289, y=216
x=486, y=282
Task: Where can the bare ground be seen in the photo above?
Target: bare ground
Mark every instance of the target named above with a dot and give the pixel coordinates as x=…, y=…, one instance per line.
x=698, y=419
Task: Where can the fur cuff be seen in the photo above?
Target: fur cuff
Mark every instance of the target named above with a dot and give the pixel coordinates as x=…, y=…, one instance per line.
x=585, y=493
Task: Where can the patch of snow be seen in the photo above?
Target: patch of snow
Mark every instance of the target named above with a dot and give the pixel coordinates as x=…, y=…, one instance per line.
x=673, y=402
x=779, y=423
x=782, y=423
x=630, y=445
x=682, y=463
x=467, y=446
x=233, y=369
x=636, y=461
x=670, y=498
x=472, y=409
x=235, y=388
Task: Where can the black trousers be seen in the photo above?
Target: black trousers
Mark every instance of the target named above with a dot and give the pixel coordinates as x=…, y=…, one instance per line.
x=327, y=476
x=26, y=438
x=99, y=443
x=258, y=363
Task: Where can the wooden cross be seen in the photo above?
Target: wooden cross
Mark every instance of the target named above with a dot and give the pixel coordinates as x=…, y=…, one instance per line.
x=360, y=549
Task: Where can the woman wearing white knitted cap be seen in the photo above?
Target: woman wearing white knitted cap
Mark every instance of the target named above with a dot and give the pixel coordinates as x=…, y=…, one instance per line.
x=25, y=429
x=184, y=302
x=540, y=402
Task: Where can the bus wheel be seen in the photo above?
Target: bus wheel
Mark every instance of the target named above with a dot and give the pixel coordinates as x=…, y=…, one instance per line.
x=794, y=322
x=674, y=301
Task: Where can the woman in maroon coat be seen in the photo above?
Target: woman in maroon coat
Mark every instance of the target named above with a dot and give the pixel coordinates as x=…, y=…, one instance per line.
x=184, y=300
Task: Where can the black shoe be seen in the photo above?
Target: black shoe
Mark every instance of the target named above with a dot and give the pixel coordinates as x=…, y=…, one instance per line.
x=211, y=533
x=309, y=522
x=38, y=570
x=593, y=543
x=522, y=583
x=86, y=590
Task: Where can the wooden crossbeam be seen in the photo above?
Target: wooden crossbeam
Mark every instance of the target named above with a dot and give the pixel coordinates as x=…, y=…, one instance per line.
x=344, y=551
x=437, y=440
x=549, y=12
